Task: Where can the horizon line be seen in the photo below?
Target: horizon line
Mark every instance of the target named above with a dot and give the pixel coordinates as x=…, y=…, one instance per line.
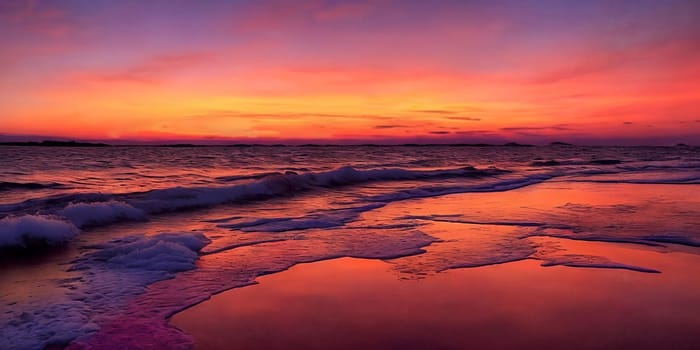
x=198, y=143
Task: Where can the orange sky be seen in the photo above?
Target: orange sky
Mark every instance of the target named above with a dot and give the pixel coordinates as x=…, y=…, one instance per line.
x=359, y=71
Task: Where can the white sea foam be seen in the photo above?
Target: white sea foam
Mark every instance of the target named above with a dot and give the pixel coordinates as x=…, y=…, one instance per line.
x=110, y=276
x=49, y=325
x=100, y=213
x=166, y=252
x=29, y=230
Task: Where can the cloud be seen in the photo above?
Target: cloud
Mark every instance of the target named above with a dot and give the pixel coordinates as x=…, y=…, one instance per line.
x=475, y=132
x=389, y=126
x=447, y=114
x=598, y=62
x=440, y=132
x=536, y=128
x=436, y=111
x=231, y=115
x=153, y=69
x=473, y=119
x=651, y=42
x=627, y=123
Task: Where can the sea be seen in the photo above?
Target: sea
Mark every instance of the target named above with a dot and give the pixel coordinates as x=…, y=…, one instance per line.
x=103, y=245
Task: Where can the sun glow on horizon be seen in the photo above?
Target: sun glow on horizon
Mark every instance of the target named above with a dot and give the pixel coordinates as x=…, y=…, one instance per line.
x=373, y=70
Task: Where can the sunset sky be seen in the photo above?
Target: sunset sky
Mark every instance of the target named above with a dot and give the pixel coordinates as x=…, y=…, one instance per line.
x=386, y=71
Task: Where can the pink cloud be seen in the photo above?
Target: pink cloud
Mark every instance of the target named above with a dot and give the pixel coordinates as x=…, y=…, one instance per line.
x=150, y=70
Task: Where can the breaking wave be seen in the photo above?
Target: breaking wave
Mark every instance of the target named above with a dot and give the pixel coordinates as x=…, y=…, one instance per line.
x=94, y=209
x=84, y=210
x=100, y=213
x=34, y=230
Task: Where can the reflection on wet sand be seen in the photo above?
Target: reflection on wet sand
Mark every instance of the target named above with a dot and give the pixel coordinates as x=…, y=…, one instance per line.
x=364, y=304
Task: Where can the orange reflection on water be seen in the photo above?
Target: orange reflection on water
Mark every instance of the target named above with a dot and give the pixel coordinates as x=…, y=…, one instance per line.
x=350, y=303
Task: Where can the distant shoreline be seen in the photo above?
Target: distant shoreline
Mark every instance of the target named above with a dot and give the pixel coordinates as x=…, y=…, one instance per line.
x=51, y=143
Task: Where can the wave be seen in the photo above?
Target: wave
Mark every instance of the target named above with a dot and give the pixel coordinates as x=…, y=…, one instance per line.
x=271, y=185
x=679, y=177
x=101, y=213
x=55, y=219
x=562, y=162
x=93, y=209
x=499, y=185
x=9, y=185
x=620, y=164
x=232, y=178
x=278, y=184
x=34, y=230
x=678, y=238
x=327, y=219
x=29, y=231
x=52, y=203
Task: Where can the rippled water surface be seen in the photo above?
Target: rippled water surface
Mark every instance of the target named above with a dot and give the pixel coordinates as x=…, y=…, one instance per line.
x=103, y=245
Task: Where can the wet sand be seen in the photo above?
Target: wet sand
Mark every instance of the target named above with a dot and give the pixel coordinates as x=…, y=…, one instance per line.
x=366, y=304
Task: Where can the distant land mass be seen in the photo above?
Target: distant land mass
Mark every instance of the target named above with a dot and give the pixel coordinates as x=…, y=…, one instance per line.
x=515, y=144
x=56, y=143
x=53, y=143
x=178, y=145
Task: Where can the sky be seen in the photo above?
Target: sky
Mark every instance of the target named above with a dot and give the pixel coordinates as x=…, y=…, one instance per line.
x=364, y=71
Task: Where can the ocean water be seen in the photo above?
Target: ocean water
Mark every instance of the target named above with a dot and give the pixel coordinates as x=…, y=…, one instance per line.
x=101, y=246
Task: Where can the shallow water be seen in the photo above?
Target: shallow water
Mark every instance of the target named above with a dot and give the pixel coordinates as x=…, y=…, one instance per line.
x=361, y=304
x=122, y=238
